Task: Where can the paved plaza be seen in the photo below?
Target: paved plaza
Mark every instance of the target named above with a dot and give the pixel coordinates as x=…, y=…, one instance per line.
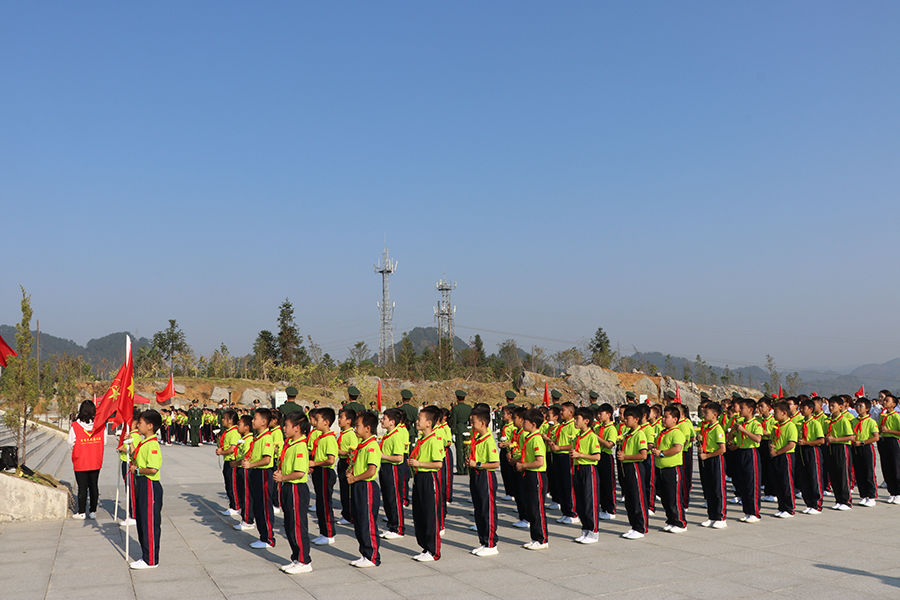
x=834, y=555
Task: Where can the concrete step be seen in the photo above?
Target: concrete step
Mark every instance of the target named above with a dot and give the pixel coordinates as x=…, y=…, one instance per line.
x=53, y=450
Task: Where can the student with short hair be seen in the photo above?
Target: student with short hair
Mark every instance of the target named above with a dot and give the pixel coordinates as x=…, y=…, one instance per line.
x=391, y=475
x=515, y=457
x=292, y=475
x=811, y=438
x=865, y=432
x=838, y=437
x=242, y=481
x=781, y=450
x=585, y=454
x=323, y=450
x=346, y=444
x=257, y=462
x=228, y=441
x=747, y=435
x=631, y=454
x=889, y=428
x=649, y=464
x=426, y=459
x=534, y=482
x=686, y=469
x=669, y=455
x=560, y=446
x=507, y=470
x=148, y=489
x=364, y=493
x=711, y=452
x=483, y=462
x=607, y=436
x=767, y=421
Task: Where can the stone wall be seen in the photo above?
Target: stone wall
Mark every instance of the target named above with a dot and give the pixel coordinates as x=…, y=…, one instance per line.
x=23, y=500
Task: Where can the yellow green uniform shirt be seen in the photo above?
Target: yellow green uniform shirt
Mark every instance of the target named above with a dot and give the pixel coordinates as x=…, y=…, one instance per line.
x=484, y=450
x=443, y=432
x=147, y=455
x=751, y=425
x=664, y=441
x=687, y=430
x=656, y=428
x=768, y=426
x=840, y=426
x=393, y=444
x=278, y=440
x=711, y=438
x=406, y=438
x=347, y=440
x=295, y=457
x=135, y=440
x=783, y=434
x=564, y=435
x=367, y=453
x=586, y=443
x=518, y=439
x=864, y=428
x=632, y=442
x=262, y=445
x=890, y=420
x=243, y=446
x=428, y=449
x=533, y=447
x=607, y=433
x=811, y=430
x=324, y=446
x=231, y=438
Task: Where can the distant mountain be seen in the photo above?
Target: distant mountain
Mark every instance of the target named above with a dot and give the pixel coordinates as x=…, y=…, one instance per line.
x=427, y=337
x=749, y=376
x=110, y=348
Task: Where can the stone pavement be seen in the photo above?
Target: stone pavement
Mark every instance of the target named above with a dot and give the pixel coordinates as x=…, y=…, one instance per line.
x=834, y=555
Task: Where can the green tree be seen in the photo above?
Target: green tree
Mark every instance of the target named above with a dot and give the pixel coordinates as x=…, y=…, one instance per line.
x=170, y=342
x=265, y=350
x=792, y=382
x=478, y=347
x=18, y=385
x=359, y=352
x=774, y=382
x=509, y=354
x=670, y=366
x=290, y=342
x=598, y=349
x=407, y=356
x=686, y=372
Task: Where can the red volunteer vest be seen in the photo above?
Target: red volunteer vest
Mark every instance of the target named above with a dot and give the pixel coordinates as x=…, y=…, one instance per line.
x=87, y=453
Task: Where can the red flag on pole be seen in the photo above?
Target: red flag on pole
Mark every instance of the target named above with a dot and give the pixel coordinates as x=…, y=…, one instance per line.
x=861, y=392
x=677, y=394
x=546, y=395
x=5, y=351
x=780, y=392
x=119, y=398
x=378, y=397
x=168, y=393
x=813, y=395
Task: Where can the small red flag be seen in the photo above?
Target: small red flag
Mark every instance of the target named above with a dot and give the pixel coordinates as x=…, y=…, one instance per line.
x=120, y=396
x=168, y=393
x=677, y=394
x=378, y=397
x=861, y=392
x=546, y=395
x=780, y=392
x=5, y=351
x=813, y=395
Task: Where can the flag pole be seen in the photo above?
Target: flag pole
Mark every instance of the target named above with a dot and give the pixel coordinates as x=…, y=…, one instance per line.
x=128, y=464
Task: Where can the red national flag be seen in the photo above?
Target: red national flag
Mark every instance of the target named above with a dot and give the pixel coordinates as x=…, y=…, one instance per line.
x=168, y=393
x=546, y=395
x=780, y=392
x=5, y=351
x=378, y=396
x=677, y=394
x=119, y=398
x=861, y=392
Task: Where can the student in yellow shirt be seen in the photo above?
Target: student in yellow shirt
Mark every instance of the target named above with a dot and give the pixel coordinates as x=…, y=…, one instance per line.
x=292, y=476
x=534, y=484
x=391, y=475
x=426, y=459
x=607, y=435
x=148, y=490
x=364, y=493
x=242, y=482
x=323, y=450
x=585, y=454
x=346, y=444
x=257, y=462
x=227, y=446
x=277, y=444
x=507, y=470
x=484, y=460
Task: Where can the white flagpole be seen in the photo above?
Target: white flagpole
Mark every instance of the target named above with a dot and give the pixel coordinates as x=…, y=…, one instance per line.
x=128, y=463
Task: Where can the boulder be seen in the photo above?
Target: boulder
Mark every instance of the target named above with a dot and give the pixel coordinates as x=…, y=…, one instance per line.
x=179, y=388
x=584, y=378
x=218, y=394
x=646, y=386
x=251, y=394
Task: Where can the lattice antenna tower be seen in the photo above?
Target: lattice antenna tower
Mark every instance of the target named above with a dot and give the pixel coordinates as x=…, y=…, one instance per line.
x=444, y=312
x=386, y=339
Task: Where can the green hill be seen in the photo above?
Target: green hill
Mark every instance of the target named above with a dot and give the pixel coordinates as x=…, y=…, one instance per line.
x=110, y=348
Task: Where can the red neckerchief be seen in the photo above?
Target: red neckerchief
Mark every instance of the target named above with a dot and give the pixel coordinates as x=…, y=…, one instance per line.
x=778, y=431
x=884, y=416
x=384, y=439
x=253, y=441
x=417, y=449
x=475, y=443
x=832, y=421
x=705, y=428
x=284, y=449
x=806, y=430
x=222, y=438
x=558, y=431
x=361, y=446
x=340, y=435
x=579, y=438
x=662, y=434
x=141, y=443
x=316, y=442
x=528, y=439
x=858, y=425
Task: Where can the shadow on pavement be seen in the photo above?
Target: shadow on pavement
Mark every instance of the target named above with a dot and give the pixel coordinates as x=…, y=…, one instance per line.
x=892, y=581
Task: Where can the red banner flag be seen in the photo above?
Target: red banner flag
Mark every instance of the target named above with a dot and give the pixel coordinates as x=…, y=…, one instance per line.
x=168, y=393
x=677, y=394
x=780, y=392
x=378, y=396
x=813, y=395
x=861, y=392
x=119, y=398
x=5, y=351
x=546, y=395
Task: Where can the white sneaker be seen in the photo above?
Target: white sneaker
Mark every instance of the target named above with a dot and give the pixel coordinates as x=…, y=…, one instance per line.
x=868, y=502
x=750, y=519
x=82, y=516
x=829, y=493
x=473, y=527
x=553, y=506
x=813, y=511
x=704, y=505
x=651, y=513
x=584, y=532
x=343, y=521
x=592, y=537
x=243, y=526
x=676, y=529
x=487, y=552
x=667, y=528
x=312, y=508
x=323, y=541
x=125, y=522
x=276, y=510
x=896, y=500
x=140, y=564
x=230, y=512
x=632, y=535
x=474, y=550
x=769, y=499
x=523, y=524
x=259, y=545
x=605, y=516
x=534, y=545
x=287, y=566
x=890, y=500
x=778, y=514
x=719, y=524
x=735, y=500
x=569, y=520
x=442, y=532
x=363, y=563
x=507, y=498
x=92, y=515
x=707, y=523
x=424, y=557
x=391, y=535
x=384, y=519
x=798, y=495
x=840, y=507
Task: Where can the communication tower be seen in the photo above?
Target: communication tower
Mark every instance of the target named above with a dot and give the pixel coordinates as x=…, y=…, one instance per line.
x=386, y=340
x=443, y=314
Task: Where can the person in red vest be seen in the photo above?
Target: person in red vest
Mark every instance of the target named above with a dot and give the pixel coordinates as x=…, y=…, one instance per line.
x=87, y=458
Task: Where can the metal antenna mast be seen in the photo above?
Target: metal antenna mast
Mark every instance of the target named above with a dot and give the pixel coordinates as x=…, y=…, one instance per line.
x=386, y=340
x=443, y=314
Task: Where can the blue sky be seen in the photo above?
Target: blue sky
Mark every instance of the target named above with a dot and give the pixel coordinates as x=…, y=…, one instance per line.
x=714, y=178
